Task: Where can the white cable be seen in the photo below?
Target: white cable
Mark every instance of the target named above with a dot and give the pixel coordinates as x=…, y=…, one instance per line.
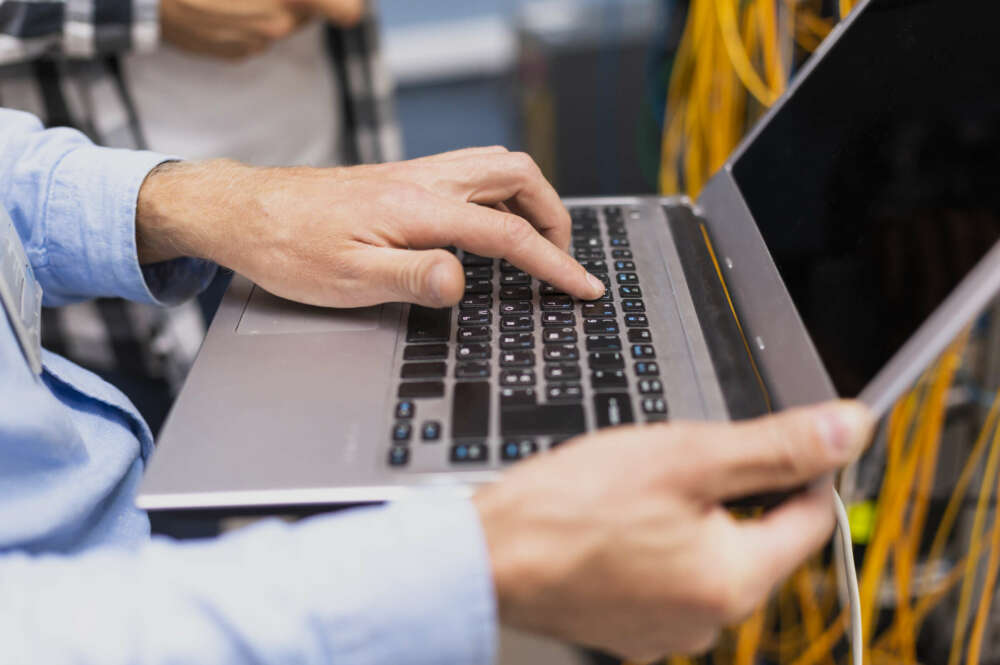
x=851, y=575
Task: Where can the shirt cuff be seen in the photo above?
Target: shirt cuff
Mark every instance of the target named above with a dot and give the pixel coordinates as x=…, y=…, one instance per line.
x=432, y=591
x=97, y=256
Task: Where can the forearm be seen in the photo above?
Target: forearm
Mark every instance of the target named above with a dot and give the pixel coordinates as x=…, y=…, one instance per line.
x=403, y=584
x=76, y=30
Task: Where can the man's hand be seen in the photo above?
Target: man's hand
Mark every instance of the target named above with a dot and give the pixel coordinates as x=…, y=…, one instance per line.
x=350, y=237
x=238, y=29
x=621, y=540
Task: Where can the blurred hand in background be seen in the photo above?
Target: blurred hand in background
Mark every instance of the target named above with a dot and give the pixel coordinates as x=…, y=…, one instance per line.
x=234, y=30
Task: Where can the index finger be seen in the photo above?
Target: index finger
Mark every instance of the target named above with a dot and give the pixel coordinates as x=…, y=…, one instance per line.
x=515, y=179
x=494, y=233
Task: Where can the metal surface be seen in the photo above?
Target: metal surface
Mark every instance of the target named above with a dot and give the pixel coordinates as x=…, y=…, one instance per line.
x=299, y=411
x=778, y=339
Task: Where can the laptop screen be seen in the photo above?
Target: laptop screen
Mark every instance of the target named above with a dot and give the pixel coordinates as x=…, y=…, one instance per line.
x=877, y=185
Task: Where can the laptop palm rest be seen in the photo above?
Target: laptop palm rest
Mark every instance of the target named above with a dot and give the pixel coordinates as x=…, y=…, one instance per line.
x=267, y=314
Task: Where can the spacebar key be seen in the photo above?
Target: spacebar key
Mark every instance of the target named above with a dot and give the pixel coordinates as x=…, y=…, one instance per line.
x=470, y=410
x=542, y=419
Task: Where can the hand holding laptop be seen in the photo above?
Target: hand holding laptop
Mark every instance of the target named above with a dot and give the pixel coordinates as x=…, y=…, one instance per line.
x=621, y=541
x=357, y=236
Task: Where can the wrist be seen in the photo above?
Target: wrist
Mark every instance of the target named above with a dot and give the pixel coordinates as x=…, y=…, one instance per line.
x=187, y=209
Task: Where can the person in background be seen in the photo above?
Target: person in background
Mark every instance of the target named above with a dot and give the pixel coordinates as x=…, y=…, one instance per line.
x=277, y=82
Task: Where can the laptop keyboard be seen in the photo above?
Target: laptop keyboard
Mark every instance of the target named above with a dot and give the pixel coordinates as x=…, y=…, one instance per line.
x=537, y=348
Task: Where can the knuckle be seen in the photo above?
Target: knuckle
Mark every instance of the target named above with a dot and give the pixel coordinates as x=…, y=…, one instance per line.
x=523, y=163
x=516, y=231
x=277, y=27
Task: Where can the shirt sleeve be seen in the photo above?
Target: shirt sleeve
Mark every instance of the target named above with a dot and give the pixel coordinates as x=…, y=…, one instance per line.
x=74, y=205
x=76, y=28
x=408, y=583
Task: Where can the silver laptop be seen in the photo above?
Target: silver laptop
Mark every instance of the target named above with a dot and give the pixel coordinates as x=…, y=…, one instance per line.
x=844, y=244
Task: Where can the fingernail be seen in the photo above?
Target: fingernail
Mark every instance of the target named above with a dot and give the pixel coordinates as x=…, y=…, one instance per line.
x=845, y=428
x=596, y=284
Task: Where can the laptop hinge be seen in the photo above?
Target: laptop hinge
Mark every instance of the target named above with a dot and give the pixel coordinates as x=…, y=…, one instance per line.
x=743, y=388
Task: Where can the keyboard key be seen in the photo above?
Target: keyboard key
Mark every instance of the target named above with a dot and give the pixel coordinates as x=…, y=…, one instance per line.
x=515, y=279
x=627, y=278
x=479, y=301
x=464, y=453
x=556, y=303
x=472, y=370
x=558, y=335
x=647, y=369
x=564, y=392
x=517, y=449
x=515, y=293
x=633, y=306
x=515, y=307
x=478, y=351
x=650, y=386
x=517, y=377
x=479, y=272
x=517, y=359
x=640, y=335
x=583, y=213
x=604, y=343
x=560, y=352
x=430, y=431
x=629, y=292
x=406, y=409
x=425, y=352
x=475, y=317
x=475, y=260
x=600, y=326
x=401, y=432
x=542, y=419
x=473, y=334
x=516, y=323
x=643, y=351
x=616, y=228
x=587, y=242
x=470, y=410
x=545, y=289
x=421, y=389
x=612, y=212
x=603, y=379
x=515, y=341
x=425, y=324
x=562, y=372
x=613, y=409
x=587, y=254
x=598, y=311
x=654, y=406
x=596, y=266
x=517, y=397
x=606, y=360
x=636, y=320
x=559, y=319
x=621, y=254
x=618, y=241
x=607, y=297
x=478, y=286
x=424, y=370
x=399, y=456
x=625, y=266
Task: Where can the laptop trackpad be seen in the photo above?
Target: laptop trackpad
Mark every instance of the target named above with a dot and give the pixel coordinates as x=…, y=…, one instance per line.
x=267, y=314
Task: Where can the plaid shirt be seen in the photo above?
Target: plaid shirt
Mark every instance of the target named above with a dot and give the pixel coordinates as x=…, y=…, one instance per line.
x=59, y=59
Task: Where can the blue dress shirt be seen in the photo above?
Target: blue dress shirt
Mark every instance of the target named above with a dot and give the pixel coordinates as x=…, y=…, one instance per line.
x=80, y=579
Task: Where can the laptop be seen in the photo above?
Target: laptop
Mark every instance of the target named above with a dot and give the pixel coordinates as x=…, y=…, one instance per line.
x=844, y=244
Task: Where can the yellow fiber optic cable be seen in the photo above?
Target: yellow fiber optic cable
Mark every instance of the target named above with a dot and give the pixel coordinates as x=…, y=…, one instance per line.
x=989, y=590
x=965, y=598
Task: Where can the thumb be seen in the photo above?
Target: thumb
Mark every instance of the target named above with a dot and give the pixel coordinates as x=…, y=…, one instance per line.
x=787, y=450
x=433, y=277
